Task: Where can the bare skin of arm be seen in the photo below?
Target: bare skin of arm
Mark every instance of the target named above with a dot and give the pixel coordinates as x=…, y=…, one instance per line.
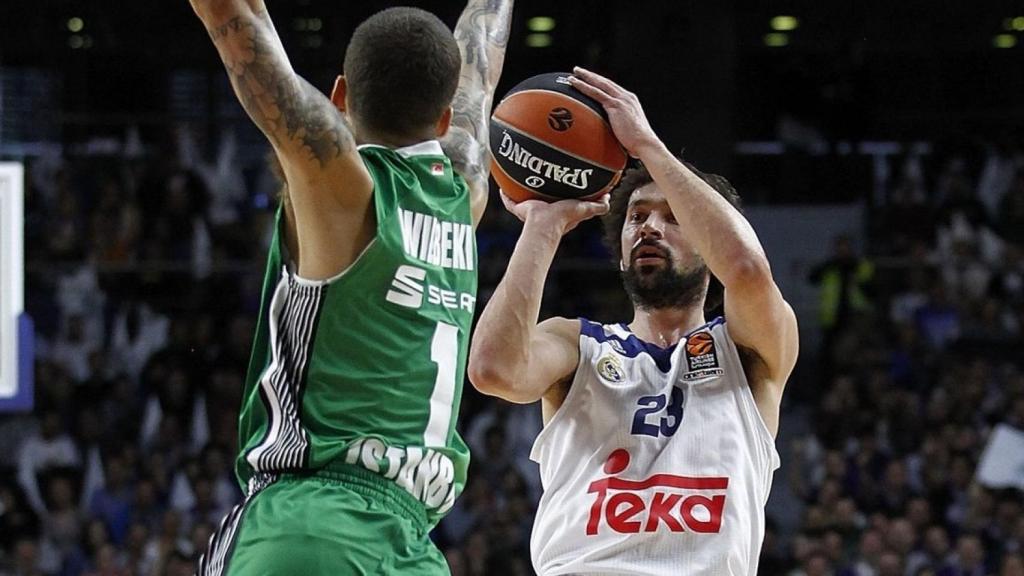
x=482, y=36
x=328, y=186
x=512, y=356
x=759, y=319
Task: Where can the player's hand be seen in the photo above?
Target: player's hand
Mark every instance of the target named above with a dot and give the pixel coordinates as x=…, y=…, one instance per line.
x=625, y=114
x=561, y=216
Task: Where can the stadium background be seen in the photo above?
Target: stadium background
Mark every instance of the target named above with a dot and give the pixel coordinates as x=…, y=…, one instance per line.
x=878, y=149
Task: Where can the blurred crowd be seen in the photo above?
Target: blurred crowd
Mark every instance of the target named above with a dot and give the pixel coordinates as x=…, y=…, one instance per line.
x=142, y=277
x=920, y=362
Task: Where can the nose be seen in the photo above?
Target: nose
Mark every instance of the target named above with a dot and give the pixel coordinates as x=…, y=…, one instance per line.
x=651, y=228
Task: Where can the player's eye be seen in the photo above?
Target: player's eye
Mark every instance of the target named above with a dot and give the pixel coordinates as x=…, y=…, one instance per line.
x=636, y=217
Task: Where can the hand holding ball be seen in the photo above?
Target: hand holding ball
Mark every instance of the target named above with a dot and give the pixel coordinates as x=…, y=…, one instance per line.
x=551, y=142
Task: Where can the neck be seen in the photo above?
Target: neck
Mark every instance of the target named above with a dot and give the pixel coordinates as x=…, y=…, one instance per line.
x=392, y=140
x=666, y=326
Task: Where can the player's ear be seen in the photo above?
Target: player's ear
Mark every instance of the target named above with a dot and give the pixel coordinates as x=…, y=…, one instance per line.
x=443, y=123
x=339, y=92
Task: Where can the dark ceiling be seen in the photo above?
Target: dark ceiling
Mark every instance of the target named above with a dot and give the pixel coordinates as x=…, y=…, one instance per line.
x=853, y=69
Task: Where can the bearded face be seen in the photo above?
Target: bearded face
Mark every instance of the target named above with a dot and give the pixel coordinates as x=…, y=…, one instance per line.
x=666, y=285
x=658, y=269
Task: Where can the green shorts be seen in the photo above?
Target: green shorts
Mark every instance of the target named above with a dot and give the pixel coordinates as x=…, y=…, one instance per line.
x=342, y=521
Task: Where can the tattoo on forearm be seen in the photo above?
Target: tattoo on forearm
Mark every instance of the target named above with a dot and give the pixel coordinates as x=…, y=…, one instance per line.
x=482, y=35
x=288, y=109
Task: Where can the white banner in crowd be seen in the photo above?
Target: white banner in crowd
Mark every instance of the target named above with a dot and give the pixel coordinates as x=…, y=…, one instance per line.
x=1002, y=462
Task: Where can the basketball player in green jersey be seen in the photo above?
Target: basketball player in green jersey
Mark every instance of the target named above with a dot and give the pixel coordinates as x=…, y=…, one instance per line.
x=349, y=453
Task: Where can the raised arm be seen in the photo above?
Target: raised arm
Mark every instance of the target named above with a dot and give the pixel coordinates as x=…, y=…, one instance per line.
x=512, y=356
x=482, y=35
x=759, y=318
x=328, y=186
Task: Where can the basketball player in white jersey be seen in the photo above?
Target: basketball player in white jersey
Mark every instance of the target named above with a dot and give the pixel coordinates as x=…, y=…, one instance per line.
x=658, y=453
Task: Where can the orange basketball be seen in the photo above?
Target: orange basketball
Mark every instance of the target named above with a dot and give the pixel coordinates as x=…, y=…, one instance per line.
x=550, y=142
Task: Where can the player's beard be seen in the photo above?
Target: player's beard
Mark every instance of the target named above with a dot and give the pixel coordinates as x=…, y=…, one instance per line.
x=655, y=287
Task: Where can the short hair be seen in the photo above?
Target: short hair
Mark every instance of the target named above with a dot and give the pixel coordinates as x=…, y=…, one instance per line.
x=635, y=179
x=402, y=69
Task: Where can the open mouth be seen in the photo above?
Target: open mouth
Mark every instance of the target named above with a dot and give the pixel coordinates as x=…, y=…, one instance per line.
x=649, y=254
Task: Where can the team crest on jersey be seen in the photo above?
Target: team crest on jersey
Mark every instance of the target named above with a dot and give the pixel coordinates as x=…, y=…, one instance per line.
x=701, y=356
x=610, y=368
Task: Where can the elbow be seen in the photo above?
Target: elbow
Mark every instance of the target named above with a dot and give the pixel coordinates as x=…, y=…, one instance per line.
x=492, y=378
x=485, y=375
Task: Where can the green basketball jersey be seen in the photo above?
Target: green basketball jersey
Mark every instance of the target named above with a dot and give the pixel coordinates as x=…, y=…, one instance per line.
x=367, y=367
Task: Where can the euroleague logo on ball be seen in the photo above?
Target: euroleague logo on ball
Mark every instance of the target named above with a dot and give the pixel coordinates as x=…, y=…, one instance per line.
x=560, y=119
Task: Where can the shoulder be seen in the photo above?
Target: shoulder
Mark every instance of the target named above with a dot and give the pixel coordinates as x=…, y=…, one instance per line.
x=562, y=328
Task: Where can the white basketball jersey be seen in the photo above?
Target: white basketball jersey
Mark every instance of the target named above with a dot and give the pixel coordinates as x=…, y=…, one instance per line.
x=657, y=463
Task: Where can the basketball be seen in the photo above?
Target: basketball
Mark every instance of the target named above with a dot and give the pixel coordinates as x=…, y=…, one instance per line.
x=551, y=142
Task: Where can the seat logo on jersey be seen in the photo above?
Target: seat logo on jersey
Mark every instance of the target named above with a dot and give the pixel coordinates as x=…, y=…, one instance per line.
x=610, y=368
x=661, y=502
x=408, y=288
x=701, y=356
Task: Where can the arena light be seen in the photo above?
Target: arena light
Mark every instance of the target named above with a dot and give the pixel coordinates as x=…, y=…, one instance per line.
x=539, y=40
x=784, y=23
x=776, y=40
x=75, y=24
x=1004, y=41
x=76, y=42
x=315, y=24
x=541, y=24
x=1018, y=23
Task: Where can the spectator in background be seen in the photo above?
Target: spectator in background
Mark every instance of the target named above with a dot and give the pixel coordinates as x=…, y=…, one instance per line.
x=1002, y=163
x=1012, y=565
x=17, y=521
x=938, y=321
x=62, y=520
x=24, y=557
x=845, y=289
x=906, y=221
x=49, y=447
x=138, y=332
x=112, y=503
x=1010, y=216
x=969, y=559
x=816, y=563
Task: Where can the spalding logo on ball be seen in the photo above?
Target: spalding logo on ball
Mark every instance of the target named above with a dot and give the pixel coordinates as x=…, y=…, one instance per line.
x=550, y=142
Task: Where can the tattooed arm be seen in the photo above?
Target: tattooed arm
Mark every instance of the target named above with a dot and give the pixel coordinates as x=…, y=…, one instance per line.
x=482, y=35
x=330, y=189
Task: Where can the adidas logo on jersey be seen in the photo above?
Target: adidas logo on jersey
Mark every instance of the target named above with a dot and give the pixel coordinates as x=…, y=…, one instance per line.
x=660, y=502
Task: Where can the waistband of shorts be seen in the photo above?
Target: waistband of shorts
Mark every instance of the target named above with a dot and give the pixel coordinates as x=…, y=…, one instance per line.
x=373, y=486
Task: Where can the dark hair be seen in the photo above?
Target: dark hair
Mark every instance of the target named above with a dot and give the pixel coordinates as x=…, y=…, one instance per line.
x=635, y=179
x=402, y=68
